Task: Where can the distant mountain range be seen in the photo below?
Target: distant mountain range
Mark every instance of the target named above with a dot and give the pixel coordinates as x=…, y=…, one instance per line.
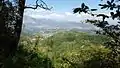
x=46, y=25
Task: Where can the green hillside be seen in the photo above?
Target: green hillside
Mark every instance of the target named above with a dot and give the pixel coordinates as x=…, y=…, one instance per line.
x=68, y=49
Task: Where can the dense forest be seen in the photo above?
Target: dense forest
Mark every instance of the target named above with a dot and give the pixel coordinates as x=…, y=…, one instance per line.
x=66, y=49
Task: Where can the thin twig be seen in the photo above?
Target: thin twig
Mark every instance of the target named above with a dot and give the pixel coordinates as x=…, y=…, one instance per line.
x=42, y=5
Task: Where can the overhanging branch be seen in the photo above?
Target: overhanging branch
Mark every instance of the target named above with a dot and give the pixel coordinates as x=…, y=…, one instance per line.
x=42, y=5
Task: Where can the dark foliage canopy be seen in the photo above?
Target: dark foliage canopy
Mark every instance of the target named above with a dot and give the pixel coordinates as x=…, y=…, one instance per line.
x=112, y=31
x=11, y=17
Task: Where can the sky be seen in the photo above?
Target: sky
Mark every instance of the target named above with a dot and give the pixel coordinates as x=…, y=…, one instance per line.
x=66, y=5
x=63, y=10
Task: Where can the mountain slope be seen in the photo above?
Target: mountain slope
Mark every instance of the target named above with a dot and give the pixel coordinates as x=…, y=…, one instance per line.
x=41, y=25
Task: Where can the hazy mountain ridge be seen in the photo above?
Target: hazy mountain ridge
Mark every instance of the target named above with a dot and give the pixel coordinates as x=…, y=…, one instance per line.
x=42, y=25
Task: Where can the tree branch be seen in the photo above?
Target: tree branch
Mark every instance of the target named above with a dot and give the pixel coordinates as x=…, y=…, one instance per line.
x=42, y=5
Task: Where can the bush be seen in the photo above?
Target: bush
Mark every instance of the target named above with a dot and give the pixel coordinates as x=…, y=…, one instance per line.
x=29, y=56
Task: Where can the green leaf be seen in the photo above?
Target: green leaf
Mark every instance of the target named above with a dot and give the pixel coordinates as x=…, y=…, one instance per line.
x=83, y=5
x=119, y=22
x=76, y=10
x=93, y=9
x=112, y=13
x=86, y=7
x=103, y=15
x=111, y=8
x=103, y=7
x=108, y=2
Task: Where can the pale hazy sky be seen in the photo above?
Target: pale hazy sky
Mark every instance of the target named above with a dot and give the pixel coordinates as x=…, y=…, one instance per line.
x=67, y=5
x=63, y=10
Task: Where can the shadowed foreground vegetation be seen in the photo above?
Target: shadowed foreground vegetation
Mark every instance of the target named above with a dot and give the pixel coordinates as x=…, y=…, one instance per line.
x=67, y=49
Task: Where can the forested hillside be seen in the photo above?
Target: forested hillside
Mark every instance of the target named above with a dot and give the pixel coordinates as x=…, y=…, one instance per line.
x=68, y=49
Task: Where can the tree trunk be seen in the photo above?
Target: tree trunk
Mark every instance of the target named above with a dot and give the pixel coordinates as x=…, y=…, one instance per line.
x=8, y=42
x=18, y=27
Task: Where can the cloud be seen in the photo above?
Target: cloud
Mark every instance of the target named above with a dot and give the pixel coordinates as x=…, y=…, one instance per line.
x=63, y=16
x=66, y=16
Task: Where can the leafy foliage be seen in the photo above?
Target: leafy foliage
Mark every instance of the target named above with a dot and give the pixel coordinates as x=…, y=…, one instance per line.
x=112, y=31
x=11, y=18
x=67, y=49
